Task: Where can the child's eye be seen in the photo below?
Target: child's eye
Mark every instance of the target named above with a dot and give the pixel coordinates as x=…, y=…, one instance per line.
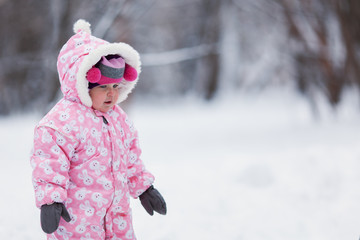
x=102, y=86
x=115, y=85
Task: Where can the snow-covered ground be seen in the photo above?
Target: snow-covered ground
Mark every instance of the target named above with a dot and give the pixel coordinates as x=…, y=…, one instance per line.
x=249, y=167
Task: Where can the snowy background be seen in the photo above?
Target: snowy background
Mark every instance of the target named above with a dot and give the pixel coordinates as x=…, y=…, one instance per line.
x=245, y=167
x=248, y=158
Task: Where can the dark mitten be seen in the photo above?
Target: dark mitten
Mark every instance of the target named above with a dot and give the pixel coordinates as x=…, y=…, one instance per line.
x=152, y=201
x=50, y=216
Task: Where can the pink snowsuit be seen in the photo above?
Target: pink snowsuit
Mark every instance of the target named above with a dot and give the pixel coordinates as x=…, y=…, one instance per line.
x=84, y=158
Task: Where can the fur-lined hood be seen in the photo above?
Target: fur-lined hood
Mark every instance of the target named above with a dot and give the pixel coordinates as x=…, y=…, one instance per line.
x=80, y=53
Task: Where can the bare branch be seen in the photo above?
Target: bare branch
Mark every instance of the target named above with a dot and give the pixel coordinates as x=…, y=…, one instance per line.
x=178, y=55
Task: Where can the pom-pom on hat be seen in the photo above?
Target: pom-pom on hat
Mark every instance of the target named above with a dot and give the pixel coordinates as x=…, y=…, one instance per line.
x=108, y=71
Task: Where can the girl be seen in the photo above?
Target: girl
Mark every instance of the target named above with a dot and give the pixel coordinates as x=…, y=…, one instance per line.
x=86, y=156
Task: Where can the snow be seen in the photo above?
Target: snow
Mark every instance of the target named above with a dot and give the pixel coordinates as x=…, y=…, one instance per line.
x=250, y=167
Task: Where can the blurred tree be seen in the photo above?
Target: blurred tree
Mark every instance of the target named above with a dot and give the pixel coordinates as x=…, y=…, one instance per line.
x=209, y=33
x=326, y=38
x=181, y=48
x=348, y=14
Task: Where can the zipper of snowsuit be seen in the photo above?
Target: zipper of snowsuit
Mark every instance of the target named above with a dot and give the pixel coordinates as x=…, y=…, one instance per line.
x=112, y=169
x=105, y=121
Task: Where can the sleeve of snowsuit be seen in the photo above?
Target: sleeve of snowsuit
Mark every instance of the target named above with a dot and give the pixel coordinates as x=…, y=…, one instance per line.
x=50, y=163
x=139, y=179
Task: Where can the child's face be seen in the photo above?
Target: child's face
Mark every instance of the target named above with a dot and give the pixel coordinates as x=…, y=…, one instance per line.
x=104, y=97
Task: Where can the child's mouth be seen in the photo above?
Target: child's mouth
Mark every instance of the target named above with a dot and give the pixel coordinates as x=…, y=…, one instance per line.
x=108, y=102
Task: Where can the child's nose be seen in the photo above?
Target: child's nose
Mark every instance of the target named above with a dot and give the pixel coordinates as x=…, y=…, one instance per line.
x=110, y=92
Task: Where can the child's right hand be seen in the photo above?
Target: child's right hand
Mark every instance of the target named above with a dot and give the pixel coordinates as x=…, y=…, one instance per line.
x=50, y=216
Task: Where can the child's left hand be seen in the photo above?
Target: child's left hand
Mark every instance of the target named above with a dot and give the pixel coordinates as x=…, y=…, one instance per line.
x=152, y=201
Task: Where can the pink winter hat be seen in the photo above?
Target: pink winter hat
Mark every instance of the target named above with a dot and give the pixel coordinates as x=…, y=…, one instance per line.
x=108, y=71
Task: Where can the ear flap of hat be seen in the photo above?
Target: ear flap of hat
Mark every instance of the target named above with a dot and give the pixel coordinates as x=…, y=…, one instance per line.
x=93, y=75
x=130, y=73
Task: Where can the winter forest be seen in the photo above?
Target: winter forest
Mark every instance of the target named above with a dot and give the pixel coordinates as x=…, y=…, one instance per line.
x=200, y=47
x=248, y=112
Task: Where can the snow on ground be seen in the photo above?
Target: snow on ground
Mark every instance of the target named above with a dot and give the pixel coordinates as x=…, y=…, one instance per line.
x=246, y=167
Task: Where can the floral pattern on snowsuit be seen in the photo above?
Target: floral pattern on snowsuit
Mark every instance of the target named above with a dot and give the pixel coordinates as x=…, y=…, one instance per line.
x=86, y=159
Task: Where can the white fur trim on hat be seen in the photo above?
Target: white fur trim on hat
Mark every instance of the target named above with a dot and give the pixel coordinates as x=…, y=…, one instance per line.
x=83, y=25
x=131, y=57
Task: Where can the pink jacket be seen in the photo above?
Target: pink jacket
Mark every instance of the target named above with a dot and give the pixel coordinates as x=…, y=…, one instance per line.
x=85, y=158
